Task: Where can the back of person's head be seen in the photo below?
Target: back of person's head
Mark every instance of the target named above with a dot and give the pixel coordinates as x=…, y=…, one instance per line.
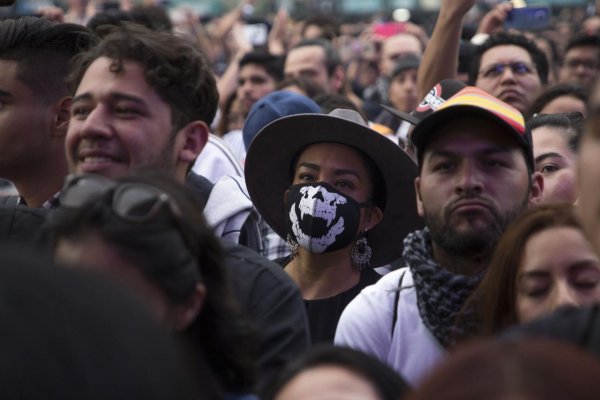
x=332, y=57
x=172, y=65
x=151, y=16
x=327, y=27
x=496, y=296
x=175, y=250
x=385, y=383
x=523, y=369
x=568, y=124
x=300, y=84
x=273, y=65
x=554, y=92
x=68, y=335
x=506, y=39
x=43, y=50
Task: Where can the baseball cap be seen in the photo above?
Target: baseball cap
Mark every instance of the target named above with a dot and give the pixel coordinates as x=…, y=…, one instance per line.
x=275, y=105
x=431, y=102
x=470, y=102
x=409, y=61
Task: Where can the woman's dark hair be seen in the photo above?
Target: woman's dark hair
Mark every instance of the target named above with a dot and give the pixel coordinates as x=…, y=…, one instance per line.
x=176, y=255
x=524, y=369
x=570, y=125
x=495, y=298
x=554, y=92
x=387, y=383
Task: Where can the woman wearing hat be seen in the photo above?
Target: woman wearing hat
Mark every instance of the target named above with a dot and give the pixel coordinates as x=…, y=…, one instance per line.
x=341, y=195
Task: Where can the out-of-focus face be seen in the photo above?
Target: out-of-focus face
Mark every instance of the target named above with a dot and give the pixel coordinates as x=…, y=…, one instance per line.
x=580, y=66
x=518, y=85
x=473, y=182
x=328, y=382
x=394, y=48
x=555, y=160
x=588, y=173
x=25, y=123
x=120, y=124
x=309, y=62
x=403, y=91
x=558, y=268
x=565, y=104
x=253, y=83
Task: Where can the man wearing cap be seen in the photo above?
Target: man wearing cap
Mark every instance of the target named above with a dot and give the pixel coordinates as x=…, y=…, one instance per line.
x=475, y=176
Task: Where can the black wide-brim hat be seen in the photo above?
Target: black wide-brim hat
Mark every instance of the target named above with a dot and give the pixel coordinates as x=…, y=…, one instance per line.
x=269, y=169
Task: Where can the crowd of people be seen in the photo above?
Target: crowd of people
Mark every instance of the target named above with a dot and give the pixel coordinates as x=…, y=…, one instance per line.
x=245, y=208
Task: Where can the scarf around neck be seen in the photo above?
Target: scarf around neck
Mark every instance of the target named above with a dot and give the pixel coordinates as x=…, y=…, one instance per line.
x=440, y=293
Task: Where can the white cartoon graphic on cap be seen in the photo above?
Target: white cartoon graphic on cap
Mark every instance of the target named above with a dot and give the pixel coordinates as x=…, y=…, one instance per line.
x=318, y=203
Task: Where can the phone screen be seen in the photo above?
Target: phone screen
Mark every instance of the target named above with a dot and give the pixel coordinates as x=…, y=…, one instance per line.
x=256, y=34
x=528, y=18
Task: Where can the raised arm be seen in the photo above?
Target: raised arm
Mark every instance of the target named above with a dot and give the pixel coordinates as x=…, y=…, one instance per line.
x=440, y=60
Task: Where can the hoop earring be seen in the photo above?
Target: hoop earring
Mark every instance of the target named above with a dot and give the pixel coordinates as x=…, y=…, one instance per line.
x=292, y=246
x=361, y=254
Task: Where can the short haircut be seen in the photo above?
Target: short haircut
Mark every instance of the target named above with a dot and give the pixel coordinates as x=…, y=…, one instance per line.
x=582, y=39
x=273, y=65
x=173, y=66
x=503, y=38
x=43, y=50
x=570, y=125
x=332, y=57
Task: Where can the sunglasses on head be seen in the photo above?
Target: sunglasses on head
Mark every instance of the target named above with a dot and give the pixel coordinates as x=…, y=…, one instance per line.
x=133, y=202
x=518, y=68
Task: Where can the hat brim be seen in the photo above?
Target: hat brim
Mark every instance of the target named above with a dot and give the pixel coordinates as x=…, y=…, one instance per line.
x=422, y=132
x=402, y=115
x=268, y=171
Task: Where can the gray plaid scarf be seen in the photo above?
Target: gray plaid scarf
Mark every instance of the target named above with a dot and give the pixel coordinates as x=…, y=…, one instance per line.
x=440, y=294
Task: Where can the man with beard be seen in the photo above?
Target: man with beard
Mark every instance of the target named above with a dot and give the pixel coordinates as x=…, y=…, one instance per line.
x=476, y=175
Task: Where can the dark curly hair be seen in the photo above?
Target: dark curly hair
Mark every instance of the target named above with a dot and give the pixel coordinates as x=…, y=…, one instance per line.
x=173, y=66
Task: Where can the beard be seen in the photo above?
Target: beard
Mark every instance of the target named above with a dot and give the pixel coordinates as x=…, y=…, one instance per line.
x=478, y=239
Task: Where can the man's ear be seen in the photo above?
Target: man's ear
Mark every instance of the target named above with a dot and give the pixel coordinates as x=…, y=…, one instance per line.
x=186, y=313
x=194, y=137
x=62, y=114
x=420, y=209
x=537, y=188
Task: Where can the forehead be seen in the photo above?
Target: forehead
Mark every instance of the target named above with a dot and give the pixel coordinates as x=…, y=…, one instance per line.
x=102, y=74
x=462, y=136
x=505, y=53
x=402, y=43
x=306, y=56
x=564, y=104
x=585, y=50
x=336, y=154
x=548, y=138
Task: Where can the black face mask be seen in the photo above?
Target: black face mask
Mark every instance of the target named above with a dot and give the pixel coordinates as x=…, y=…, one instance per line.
x=320, y=218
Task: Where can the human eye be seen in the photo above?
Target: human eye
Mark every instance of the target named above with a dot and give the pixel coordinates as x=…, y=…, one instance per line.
x=547, y=169
x=305, y=177
x=520, y=68
x=80, y=111
x=587, y=278
x=126, y=111
x=344, y=184
x=493, y=71
x=443, y=166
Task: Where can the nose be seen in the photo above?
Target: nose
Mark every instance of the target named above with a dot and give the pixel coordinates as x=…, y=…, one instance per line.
x=469, y=179
x=97, y=123
x=507, y=74
x=564, y=297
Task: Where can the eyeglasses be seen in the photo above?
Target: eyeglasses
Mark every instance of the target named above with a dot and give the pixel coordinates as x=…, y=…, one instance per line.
x=133, y=202
x=518, y=68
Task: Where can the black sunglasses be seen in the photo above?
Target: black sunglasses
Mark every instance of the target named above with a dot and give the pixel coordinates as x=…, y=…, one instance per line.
x=133, y=202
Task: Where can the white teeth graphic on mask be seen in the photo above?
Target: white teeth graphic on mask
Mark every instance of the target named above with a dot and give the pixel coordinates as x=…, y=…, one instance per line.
x=324, y=207
x=317, y=208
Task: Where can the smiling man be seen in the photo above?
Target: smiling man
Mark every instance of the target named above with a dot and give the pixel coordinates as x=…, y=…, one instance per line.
x=476, y=176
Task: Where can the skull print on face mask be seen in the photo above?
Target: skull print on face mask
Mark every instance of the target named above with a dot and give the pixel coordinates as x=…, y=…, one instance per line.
x=320, y=218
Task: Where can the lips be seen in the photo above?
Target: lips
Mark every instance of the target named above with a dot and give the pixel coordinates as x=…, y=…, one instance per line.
x=469, y=206
x=509, y=94
x=96, y=160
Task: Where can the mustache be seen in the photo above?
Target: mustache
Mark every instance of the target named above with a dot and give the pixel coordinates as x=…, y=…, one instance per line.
x=471, y=198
